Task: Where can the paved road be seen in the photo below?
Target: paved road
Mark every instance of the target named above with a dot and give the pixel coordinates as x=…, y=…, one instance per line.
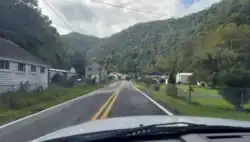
x=124, y=100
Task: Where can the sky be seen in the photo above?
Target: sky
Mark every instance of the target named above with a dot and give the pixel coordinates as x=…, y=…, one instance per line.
x=97, y=19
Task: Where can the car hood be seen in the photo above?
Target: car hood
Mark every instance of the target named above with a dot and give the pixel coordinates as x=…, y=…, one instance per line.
x=135, y=121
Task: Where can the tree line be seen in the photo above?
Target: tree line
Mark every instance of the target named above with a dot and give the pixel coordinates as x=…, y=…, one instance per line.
x=213, y=43
x=23, y=23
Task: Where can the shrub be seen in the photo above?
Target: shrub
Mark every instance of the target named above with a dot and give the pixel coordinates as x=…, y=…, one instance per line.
x=192, y=80
x=162, y=81
x=156, y=87
x=148, y=81
x=171, y=79
x=110, y=77
x=57, y=78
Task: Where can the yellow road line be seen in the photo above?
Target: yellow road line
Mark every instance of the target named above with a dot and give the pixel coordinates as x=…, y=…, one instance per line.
x=106, y=108
x=95, y=117
x=111, y=104
x=107, y=111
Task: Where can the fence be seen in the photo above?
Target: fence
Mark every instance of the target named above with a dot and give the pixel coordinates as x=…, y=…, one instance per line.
x=235, y=96
x=25, y=87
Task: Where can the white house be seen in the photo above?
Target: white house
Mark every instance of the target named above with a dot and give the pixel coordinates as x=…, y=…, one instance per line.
x=19, y=66
x=95, y=69
x=183, y=77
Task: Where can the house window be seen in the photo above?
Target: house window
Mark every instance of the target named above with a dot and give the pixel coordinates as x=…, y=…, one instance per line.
x=42, y=70
x=4, y=64
x=33, y=68
x=21, y=67
x=89, y=69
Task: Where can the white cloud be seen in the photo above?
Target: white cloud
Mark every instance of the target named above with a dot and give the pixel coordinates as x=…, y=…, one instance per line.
x=88, y=17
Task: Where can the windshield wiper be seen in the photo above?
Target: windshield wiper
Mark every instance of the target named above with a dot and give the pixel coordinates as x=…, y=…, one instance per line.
x=152, y=132
x=118, y=133
x=151, y=129
x=158, y=131
x=169, y=124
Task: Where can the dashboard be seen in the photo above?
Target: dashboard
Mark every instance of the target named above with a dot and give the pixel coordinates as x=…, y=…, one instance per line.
x=218, y=137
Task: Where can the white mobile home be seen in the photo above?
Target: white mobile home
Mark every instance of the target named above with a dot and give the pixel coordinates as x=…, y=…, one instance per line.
x=18, y=66
x=183, y=77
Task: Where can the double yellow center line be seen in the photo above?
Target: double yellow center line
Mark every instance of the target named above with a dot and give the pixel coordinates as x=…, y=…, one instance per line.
x=105, y=109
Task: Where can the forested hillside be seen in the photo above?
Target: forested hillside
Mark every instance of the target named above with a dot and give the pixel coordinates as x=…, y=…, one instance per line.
x=80, y=42
x=23, y=23
x=213, y=43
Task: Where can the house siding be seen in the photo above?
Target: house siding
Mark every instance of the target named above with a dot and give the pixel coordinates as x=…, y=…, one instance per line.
x=11, y=80
x=6, y=80
x=95, y=71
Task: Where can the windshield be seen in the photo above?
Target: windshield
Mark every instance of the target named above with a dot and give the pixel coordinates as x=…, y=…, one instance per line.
x=73, y=65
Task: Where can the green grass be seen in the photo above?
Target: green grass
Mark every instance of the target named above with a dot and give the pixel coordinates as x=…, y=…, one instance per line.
x=211, y=102
x=214, y=102
x=200, y=90
x=16, y=105
x=205, y=109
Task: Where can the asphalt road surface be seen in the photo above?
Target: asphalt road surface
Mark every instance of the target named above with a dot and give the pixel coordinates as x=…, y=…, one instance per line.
x=117, y=100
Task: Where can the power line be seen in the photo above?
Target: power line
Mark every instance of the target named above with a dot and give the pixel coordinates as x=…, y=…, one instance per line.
x=137, y=10
x=58, y=15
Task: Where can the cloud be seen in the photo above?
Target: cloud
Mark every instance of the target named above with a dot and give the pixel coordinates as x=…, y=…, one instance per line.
x=89, y=17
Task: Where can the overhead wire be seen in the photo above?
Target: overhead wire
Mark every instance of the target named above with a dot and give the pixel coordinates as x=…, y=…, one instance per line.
x=97, y=1
x=58, y=15
x=132, y=9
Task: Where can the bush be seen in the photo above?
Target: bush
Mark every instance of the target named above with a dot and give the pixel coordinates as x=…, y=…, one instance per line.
x=171, y=79
x=156, y=87
x=236, y=81
x=71, y=82
x=235, y=78
x=57, y=78
x=162, y=81
x=110, y=77
x=148, y=81
x=192, y=80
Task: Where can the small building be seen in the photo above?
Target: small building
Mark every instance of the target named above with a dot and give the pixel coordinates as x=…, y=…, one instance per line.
x=183, y=77
x=64, y=73
x=95, y=69
x=53, y=72
x=18, y=66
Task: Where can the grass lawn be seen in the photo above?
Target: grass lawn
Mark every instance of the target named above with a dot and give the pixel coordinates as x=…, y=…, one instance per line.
x=200, y=90
x=205, y=109
x=211, y=102
x=16, y=105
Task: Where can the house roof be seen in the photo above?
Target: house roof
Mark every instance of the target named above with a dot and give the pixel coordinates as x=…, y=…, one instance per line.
x=14, y=52
x=156, y=73
x=57, y=70
x=187, y=74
